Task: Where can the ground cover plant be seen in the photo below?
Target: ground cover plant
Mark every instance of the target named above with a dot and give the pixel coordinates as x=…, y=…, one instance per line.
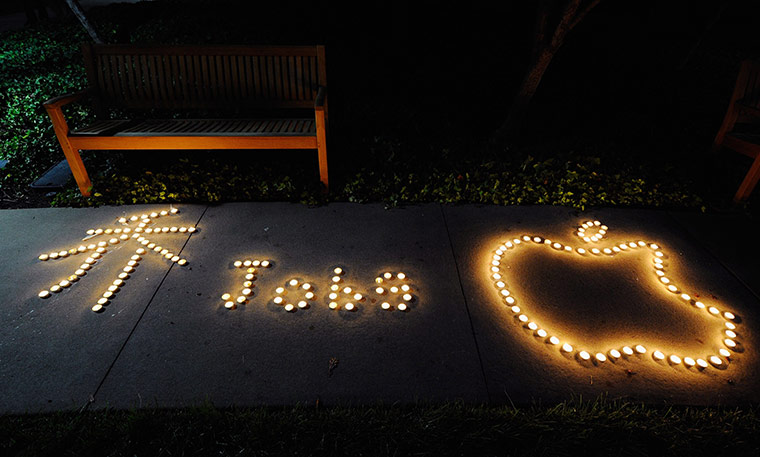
x=404, y=127
x=576, y=427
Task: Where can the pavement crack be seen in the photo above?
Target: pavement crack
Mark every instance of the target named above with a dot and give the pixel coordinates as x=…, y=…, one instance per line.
x=466, y=305
x=94, y=395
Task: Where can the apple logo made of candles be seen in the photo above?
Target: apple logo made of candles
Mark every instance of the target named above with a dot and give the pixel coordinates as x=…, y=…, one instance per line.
x=593, y=232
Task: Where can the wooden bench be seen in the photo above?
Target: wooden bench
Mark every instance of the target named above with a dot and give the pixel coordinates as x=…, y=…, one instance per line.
x=278, y=95
x=736, y=132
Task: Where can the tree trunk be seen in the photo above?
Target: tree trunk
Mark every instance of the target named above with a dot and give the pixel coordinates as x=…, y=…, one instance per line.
x=517, y=112
x=79, y=13
x=545, y=46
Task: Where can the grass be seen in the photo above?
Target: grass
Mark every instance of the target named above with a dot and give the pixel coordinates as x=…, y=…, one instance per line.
x=576, y=427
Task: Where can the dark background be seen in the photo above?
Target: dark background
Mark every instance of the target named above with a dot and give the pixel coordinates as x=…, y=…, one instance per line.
x=640, y=81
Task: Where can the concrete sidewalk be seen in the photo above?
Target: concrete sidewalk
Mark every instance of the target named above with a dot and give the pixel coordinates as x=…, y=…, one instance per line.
x=167, y=338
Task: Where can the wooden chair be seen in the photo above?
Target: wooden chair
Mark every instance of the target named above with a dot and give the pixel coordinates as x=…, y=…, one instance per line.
x=737, y=132
x=271, y=97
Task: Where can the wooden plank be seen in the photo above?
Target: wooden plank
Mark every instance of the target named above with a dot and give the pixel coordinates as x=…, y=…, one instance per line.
x=130, y=79
x=219, y=71
x=162, y=77
x=116, y=78
x=312, y=78
x=183, y=77
x=103, y=80
x=226, y=67
x=206, y=78
x=90, y=64
x=277, y=77
x=298, y=61
x=322, y=67
x=286, y=79
x=171, y=77
x=292, y=83
x=145, y=78
x=193, y=142
x=199, y=81
x=70, y=152
x=321, y=138
x=213, y=78
x=243, y=50
x=237, y=93
x=749, y=182
x=259, y=81
x=138, y=81
x=121, y=64
x=247, y=77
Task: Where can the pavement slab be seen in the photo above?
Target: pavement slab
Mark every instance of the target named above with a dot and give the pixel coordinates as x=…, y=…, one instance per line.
x=167, y=338
x=54, y=352
x=598, y=303
x=189, y=347
x=731, y=238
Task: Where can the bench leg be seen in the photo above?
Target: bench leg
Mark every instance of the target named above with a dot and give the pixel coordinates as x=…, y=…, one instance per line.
x=78, y=170
x=72, y=155
x=322, y=149
x=749, y=182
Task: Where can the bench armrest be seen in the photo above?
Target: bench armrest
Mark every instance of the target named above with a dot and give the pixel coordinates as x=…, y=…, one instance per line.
x=57, y=102
x=319, y=101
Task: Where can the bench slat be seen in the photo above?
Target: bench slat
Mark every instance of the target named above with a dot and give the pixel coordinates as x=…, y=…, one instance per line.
x=200, y=127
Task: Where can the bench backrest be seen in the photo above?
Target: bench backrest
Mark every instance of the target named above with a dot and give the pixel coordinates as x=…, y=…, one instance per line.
x=205, y=77
x=747, y=88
